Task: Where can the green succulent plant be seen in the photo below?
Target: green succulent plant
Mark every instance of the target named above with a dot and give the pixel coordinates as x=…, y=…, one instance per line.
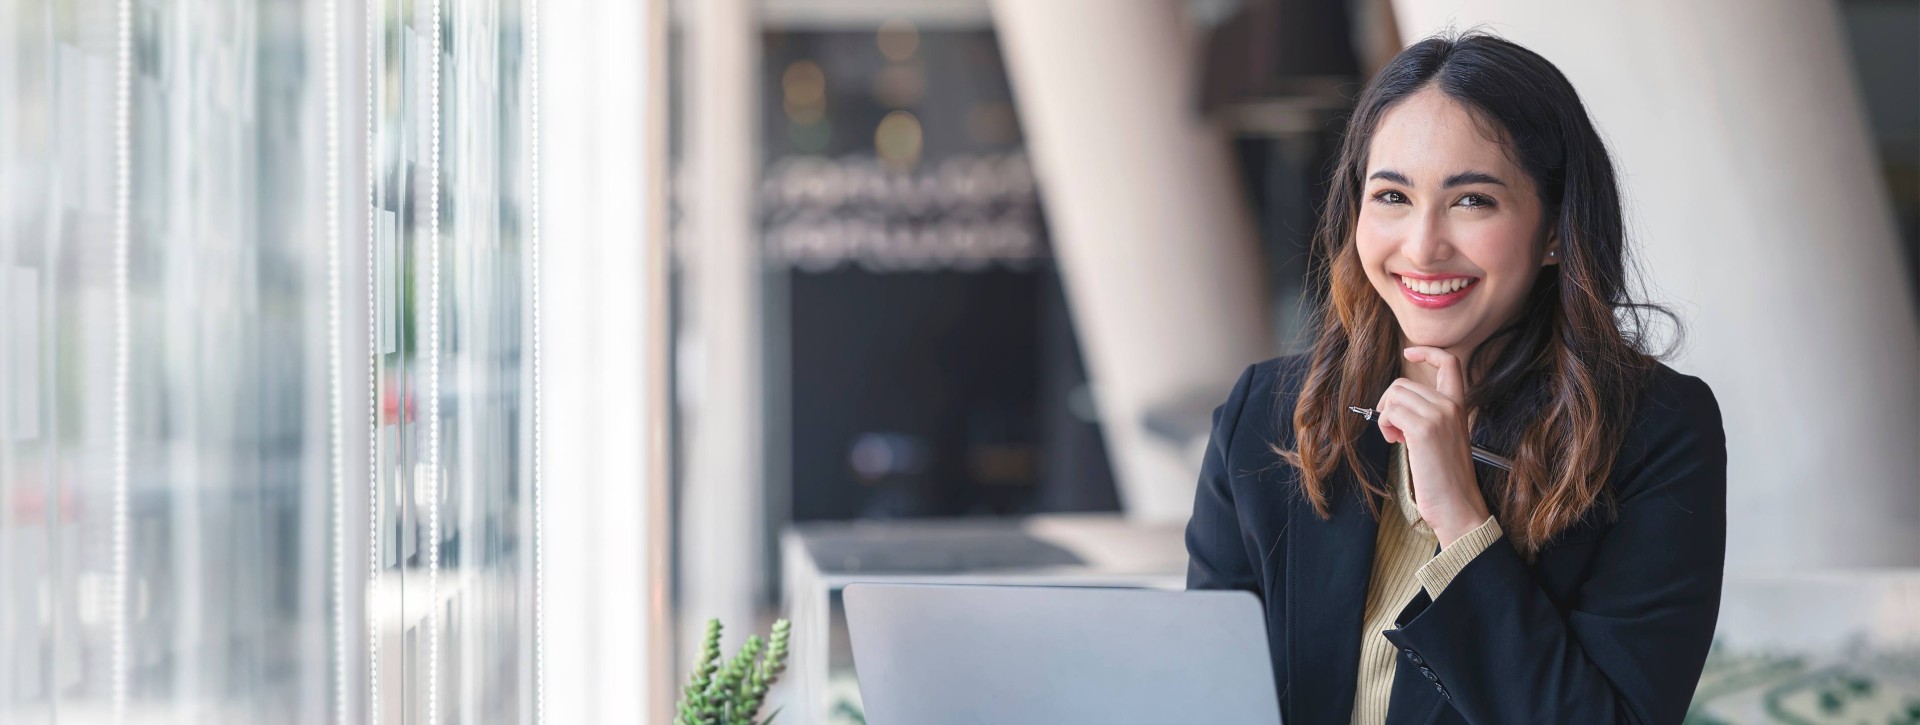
x=732, y=692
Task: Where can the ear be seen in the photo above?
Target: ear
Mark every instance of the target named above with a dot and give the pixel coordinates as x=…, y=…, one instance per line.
x=1553, y=249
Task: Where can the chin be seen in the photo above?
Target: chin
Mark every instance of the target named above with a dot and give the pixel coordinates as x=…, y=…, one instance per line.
x=1442, y=339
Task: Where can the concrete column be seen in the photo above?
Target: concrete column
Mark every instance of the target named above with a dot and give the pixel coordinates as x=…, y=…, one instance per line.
x=1149, y=225
x=1757, y=211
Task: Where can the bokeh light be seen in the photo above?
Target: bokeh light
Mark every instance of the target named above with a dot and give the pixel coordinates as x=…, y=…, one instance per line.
x=898, y=39
x=898, y=140
x=804, y=92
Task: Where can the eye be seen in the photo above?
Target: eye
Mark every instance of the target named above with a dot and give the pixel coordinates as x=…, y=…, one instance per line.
x=1389, y=196
x=1477, y=201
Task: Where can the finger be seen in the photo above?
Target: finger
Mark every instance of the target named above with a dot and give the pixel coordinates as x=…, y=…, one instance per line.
x=1431, y=409
x=1415, y=388
x=1384, y=419
x=1448, y=378
x=1403, y=393
x=1406, y=411
x=1390, y=433
x=1450, y=381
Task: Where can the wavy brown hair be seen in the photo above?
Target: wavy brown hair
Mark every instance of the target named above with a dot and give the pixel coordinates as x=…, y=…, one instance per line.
x=1554, y=386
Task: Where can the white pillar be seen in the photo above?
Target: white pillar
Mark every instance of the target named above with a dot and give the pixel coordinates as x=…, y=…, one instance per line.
x=1754, y=202
x=723, y=525
x=602, y=595
x=1149, y=225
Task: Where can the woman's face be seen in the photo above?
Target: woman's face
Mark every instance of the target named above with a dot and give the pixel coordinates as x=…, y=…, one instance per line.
x=1444, y=210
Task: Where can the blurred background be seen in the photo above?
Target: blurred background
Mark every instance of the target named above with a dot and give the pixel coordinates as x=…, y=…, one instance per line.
x=422, y=361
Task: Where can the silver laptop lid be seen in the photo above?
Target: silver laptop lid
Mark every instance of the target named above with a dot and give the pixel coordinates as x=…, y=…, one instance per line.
x=953, y=655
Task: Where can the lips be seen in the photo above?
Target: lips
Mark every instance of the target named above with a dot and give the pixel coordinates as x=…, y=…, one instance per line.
x=1435, y=293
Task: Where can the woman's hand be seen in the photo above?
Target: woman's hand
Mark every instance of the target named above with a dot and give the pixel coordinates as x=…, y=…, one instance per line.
x=1432, y=423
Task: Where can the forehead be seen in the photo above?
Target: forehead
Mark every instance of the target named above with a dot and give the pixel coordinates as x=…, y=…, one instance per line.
x=1427, y=136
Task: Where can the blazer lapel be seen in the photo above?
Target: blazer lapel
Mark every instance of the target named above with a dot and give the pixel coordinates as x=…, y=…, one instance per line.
x=1328, y=567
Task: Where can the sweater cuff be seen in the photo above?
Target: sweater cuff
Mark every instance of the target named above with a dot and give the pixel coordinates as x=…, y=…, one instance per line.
x=1444, y=566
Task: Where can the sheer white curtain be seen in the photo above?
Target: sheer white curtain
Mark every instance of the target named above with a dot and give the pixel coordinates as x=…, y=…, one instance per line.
x=267, y=381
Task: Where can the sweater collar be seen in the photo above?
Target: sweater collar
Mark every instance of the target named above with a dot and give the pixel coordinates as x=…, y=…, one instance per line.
x=1402, y=482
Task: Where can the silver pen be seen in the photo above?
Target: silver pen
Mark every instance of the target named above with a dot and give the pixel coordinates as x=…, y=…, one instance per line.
x=1479, y=454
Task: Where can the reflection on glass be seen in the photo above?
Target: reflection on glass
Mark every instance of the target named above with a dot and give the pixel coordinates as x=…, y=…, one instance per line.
x=453, y=604
x=230, y=535
x=226, y=449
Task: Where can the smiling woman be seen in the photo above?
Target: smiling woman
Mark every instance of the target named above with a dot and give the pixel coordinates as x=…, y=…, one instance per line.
x=1471, y=279
x=1446, y=175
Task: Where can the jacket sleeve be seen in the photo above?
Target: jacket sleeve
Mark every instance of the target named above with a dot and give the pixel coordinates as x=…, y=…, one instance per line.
x=1630, y=648
x=1216, y=553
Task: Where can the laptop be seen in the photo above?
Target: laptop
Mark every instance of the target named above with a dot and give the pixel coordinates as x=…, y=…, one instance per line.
x=1013, y=655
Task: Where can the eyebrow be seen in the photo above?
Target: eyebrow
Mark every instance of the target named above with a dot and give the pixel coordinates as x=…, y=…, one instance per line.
x=1461, y=179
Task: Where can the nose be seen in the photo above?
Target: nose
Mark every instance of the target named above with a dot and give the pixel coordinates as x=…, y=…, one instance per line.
x=1428, y=242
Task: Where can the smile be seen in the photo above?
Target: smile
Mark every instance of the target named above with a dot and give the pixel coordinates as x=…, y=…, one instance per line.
x=1434, y=294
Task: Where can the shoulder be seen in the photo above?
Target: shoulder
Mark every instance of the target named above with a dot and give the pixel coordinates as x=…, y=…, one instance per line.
x=1671, y=392
x=1263, y=396
x=1675, y=438
x=1268, y=383
x=1280, y=375
x=1675, y=407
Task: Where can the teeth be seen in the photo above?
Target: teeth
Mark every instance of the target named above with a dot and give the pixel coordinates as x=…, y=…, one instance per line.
x=1437, y=287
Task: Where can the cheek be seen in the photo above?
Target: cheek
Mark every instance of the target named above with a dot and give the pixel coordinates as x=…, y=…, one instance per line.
x=1503, y=251
x=1373, y=241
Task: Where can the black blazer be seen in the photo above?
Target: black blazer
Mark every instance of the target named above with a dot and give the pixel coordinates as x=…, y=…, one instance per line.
x=1611, y=624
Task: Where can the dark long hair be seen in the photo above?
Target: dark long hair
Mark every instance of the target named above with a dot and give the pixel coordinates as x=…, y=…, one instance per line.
x=1553, y=388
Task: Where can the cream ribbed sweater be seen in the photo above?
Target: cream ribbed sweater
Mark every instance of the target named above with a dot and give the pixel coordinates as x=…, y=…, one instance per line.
x=1404, y=560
